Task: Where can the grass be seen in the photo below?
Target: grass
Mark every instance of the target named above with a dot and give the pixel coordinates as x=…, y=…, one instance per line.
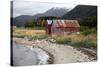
x=30, y=33
x=87, y=39
x=88, y=31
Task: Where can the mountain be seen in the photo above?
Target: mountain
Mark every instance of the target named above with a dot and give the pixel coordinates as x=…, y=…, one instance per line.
x=56, y=12
x=53, y=12
x=81, y=11
x=21, y=20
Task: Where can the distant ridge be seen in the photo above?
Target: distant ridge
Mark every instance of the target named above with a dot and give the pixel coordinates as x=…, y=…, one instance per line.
x=81, y=11
x=21, y=20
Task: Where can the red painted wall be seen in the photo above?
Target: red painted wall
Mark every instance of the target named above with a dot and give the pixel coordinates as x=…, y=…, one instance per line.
x=49, y=29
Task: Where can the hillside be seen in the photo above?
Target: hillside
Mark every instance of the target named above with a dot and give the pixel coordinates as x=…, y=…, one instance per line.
x=81, y=11
x=21, y=20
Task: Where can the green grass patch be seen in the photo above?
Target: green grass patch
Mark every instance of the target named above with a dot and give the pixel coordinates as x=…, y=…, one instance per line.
x=39, y=37
x=87, y=39
x=84, y=43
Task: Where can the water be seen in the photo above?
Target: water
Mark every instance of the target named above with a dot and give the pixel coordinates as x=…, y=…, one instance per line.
x=27, y=56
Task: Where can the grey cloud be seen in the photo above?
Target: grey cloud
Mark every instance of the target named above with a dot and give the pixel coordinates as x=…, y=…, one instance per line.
x=31, y=8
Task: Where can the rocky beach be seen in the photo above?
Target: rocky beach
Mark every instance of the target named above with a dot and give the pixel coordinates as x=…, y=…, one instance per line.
x=49, y=53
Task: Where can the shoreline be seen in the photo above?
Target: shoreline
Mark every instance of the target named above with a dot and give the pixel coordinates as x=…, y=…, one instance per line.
x=53, y=59
x=92, y=54
x=50, y=60
x=35, y=55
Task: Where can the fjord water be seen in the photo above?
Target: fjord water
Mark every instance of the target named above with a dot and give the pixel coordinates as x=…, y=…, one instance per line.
x=26, y=55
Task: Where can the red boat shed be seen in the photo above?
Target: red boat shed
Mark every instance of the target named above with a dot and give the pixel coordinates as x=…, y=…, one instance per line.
x=59, y=27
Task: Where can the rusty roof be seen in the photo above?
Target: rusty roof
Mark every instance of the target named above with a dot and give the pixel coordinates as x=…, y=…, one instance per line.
x=65, y=23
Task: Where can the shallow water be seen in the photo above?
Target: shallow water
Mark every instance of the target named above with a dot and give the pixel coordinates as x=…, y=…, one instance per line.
x=26, y=55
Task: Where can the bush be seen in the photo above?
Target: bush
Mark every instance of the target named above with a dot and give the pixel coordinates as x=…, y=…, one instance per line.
x=29, y=24
x=89, y=21
x=84, y=43
x=89, y=31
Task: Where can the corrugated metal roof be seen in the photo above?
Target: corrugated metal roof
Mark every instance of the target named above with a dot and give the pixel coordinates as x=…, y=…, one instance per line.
x=66, y=23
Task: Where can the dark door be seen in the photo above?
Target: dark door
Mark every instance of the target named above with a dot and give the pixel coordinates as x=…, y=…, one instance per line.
x=49, y=29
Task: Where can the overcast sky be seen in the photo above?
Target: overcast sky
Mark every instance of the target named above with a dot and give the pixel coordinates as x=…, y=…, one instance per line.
x=31, y=8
